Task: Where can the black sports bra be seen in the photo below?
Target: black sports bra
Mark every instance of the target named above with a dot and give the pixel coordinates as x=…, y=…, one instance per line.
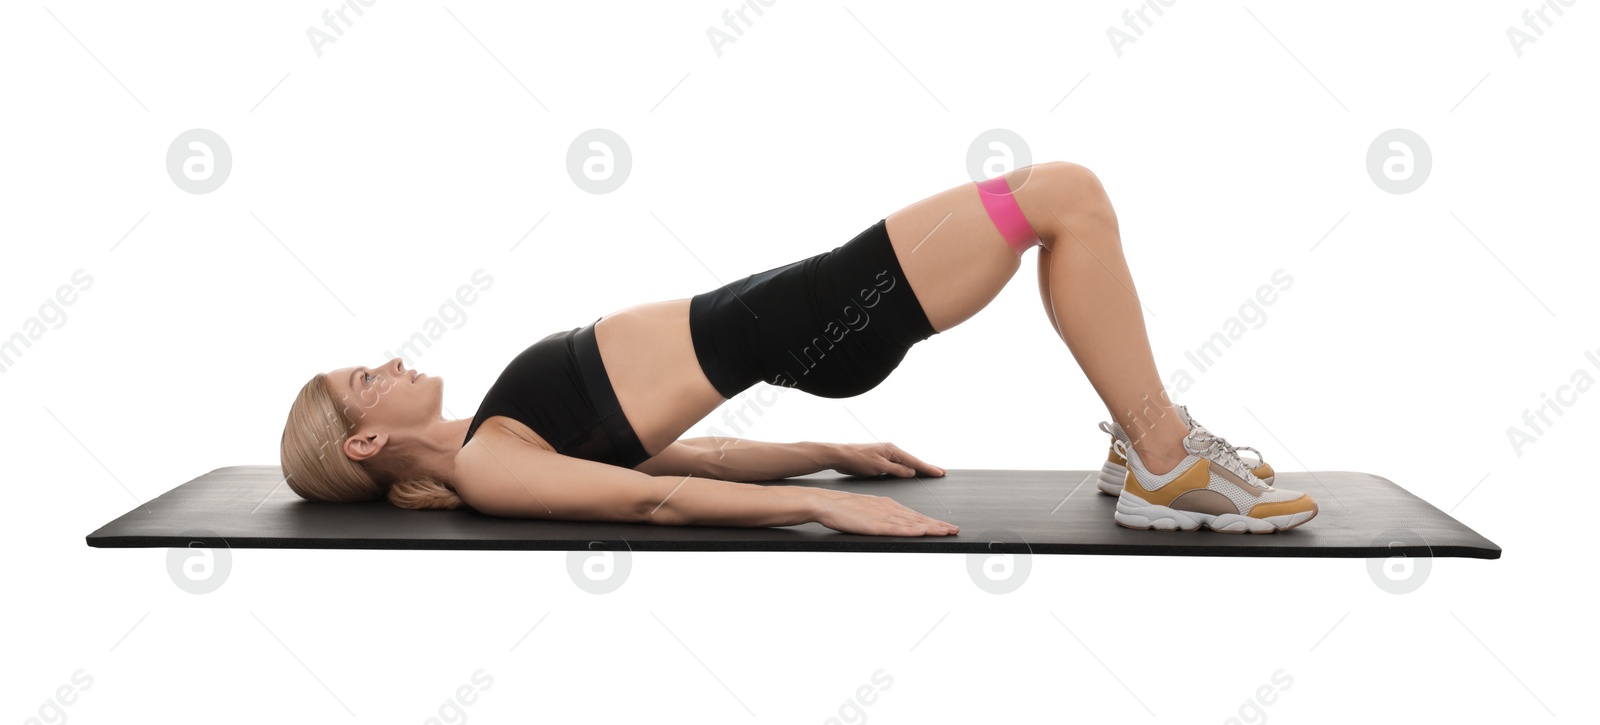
x=558, y=387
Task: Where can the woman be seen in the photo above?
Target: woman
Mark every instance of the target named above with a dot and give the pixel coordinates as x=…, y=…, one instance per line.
x=583, y=424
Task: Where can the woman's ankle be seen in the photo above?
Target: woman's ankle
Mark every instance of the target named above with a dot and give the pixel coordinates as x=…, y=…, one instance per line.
x=1160, y=465
x=1161, y=458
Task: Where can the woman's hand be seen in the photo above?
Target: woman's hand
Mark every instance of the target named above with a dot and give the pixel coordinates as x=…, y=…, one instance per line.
x=878, y=459
x=855, y=513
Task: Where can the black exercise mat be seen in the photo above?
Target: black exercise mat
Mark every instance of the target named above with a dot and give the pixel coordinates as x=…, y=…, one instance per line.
x=1043, y=512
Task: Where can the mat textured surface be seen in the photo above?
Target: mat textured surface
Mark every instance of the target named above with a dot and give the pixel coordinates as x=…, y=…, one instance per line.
x=1043, y=512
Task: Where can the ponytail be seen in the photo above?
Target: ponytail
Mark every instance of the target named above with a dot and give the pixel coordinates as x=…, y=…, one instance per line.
x=421, y=492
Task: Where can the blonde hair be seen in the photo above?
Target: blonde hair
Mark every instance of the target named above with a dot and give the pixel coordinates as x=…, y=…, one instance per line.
x=313, y=459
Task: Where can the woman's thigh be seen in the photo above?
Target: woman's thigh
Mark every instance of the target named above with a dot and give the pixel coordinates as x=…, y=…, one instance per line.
x=952, y=254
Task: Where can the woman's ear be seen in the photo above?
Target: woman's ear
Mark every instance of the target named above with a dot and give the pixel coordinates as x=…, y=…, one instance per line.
x=362, y=447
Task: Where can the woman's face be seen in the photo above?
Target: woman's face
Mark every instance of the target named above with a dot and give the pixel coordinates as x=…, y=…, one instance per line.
x=387, y=397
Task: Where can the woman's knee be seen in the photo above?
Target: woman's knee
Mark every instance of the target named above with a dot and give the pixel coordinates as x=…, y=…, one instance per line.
x=1071, y=194
x=1073, y=185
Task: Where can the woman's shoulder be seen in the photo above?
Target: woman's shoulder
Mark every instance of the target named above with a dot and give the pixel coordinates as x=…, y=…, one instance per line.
x=496, y=435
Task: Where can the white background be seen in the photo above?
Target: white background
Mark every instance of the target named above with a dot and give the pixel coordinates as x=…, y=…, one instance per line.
x=427, y=140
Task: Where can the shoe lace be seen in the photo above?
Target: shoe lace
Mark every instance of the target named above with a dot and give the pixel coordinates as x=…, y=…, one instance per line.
x=1218, y=449
x=1259, y=457
x=1235, y=449
x=1221, y=440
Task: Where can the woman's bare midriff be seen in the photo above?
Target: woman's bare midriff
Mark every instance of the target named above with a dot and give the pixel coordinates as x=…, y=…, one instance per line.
x=650, y=359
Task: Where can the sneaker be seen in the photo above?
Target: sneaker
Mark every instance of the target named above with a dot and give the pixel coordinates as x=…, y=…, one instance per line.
x=1258, y=465
x=1115, y=469
x=1210, y=487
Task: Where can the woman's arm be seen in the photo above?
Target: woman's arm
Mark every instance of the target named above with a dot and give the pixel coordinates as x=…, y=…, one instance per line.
x=737, y=459
x=502, y=477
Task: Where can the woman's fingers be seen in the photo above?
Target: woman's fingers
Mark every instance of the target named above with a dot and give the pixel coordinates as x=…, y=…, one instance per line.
x=913, y=464
x=903, y=519
x=854, y=513
x=921, y=521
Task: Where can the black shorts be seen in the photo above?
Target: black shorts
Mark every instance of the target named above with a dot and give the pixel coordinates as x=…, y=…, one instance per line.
x=833, y=325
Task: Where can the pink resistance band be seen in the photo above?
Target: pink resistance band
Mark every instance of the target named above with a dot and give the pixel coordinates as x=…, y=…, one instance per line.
x=1006, y=215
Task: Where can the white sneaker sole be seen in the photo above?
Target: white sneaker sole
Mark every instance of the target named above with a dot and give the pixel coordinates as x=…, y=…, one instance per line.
x=1112, y=477
x=1136, y=513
